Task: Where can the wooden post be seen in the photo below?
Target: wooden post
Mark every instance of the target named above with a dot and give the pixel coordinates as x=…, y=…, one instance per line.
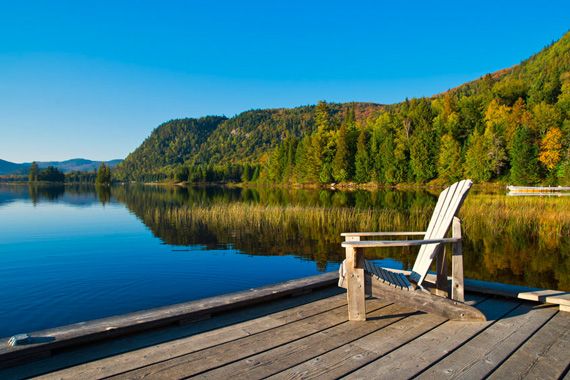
x=441, y=284
x=355, y=282
x=457, y=285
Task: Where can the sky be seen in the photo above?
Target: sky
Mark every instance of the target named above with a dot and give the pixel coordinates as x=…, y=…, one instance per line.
x=92, y=79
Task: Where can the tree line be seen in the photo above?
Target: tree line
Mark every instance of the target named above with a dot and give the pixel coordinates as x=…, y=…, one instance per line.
x=512, y=126
x=445, y=138
x=51, y=174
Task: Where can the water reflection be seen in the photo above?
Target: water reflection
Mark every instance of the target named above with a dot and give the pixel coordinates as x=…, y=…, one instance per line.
x=502, y=243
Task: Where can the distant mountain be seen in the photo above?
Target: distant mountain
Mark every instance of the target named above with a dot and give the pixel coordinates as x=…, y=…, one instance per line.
x=75, y=164
x=7, y=167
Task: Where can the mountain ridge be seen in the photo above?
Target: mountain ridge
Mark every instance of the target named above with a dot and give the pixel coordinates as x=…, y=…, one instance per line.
x=66, y=166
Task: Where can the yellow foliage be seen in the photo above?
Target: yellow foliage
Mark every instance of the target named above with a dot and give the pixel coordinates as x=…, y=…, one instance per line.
x=550, y=148
x=497, y=116
x=518, y=117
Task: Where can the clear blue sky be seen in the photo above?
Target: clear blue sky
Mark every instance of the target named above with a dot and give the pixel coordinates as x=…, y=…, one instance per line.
x=93, y=78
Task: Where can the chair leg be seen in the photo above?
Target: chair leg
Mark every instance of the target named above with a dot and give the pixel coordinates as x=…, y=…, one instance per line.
x=457, y=284
x=355, y=284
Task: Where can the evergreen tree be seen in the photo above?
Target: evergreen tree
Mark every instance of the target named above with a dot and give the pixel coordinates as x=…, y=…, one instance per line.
x=323, y=117
x=289, y=162
x=422, y=146
x=362, y=158
x=51, y=174
x=314, y=158
x=449, y=159
x=275, y=164
x=476, y=162
x=104, y=175
x=33, y=173
x=341, y=163
x=524, y=168
x=301, y=159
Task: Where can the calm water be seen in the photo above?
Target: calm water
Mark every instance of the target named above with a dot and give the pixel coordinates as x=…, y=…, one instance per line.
x=78, y=253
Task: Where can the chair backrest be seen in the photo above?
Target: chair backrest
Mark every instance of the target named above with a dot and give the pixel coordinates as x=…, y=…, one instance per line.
x=448, y=205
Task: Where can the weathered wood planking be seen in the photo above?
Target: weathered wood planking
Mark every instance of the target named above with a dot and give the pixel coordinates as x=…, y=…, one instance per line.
x=393, y=343
x=446, y=209
x=457, y=279
x=361, y=352
x=544, y=356
x=355, y=294
x=192, y=364
x=352, y=356
x=264, y=364
x=425, y=301
x=427, y=349
x=397, y=233
x=555, y=297
x=106, y=328
x=159, y=352
x=489, y=349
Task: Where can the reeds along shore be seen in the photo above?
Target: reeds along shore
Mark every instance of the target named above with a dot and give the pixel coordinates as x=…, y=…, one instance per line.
x=513, y=240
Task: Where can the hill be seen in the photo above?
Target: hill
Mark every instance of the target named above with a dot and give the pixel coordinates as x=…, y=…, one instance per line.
x=7, y=167
x=75, y=164
x=218, y=141
x=512, y=126
x=170, y=144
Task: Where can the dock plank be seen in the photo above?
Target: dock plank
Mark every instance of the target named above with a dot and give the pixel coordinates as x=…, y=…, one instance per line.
x=349, y=357
x=491, y=347
x=352, y=356
x=159, y=352
x=264, y=364
x=108, y=328
x=546, y=355
x=210, y=358
x=427, y=349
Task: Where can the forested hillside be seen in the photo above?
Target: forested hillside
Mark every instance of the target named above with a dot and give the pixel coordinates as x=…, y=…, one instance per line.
x=216, y=148
x=512, y=126
x=170, y=145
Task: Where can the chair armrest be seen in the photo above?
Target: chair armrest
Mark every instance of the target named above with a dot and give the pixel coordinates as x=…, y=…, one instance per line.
x=347, y=234
x=396, y=243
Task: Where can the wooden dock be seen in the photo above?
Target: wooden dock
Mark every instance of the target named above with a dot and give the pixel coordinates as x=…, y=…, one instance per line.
x=303, y=332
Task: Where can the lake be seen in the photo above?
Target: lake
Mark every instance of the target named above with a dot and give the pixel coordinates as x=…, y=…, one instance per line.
x=75, y=253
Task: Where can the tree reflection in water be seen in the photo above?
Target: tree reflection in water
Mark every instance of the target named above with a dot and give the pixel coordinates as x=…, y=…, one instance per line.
x=512, y=240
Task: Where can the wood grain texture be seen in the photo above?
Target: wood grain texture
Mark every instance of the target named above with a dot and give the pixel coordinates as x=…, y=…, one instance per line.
x=213, y=357
x=417, y=355
x=355, y=284
x=441, y=284
x=457, y=279
x=447, y=207
x=489, y=349
x=395, y=233
x=546, y=355
x=351, y=356
x=112, y=327
x=425, y=301
x=159, y=352
x=265, y=364
x=396, y=243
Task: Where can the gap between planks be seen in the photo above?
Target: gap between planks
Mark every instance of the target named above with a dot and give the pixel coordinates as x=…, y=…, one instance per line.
x=159, y=352
x=210, y=358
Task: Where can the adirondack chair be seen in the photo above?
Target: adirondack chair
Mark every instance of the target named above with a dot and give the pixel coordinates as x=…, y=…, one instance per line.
x=360, y=276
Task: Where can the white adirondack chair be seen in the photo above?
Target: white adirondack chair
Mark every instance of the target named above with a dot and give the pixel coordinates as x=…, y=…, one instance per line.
x=360, y=276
